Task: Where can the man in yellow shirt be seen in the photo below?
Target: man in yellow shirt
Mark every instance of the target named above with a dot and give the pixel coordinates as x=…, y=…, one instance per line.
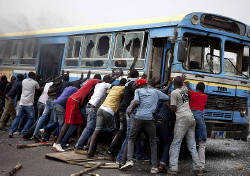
x=105, y=114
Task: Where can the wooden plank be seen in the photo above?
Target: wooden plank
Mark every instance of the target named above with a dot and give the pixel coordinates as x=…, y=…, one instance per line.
x=20, y=146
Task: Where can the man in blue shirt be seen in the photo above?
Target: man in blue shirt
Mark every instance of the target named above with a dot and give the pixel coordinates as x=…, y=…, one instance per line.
x=145, y=100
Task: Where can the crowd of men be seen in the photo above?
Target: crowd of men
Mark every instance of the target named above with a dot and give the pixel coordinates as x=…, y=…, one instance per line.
x=132, y=110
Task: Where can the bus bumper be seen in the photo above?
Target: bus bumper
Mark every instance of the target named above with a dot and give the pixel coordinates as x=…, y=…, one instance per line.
x=222, y=129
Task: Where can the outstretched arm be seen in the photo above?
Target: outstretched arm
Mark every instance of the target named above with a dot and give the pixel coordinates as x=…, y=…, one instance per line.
x=116, y=75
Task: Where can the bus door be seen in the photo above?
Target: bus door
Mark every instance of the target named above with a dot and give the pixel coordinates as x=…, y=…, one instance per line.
x=50, y=60
x=158, y=65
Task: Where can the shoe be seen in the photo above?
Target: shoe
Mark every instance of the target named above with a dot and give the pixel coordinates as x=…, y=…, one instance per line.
x=36, y=139
x=205, y=170
x=129, y=164
x=17, y=133
x=3, y=129
x=81, y=152
x=172, y=172
x=90, y=155
x=162, y=168
x=198, y=172
x=57, y=147
x=44, y=142
x=154, y=170
x=10, y=135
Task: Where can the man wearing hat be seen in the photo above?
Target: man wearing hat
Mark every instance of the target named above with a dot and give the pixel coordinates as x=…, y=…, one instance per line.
x=145, y=100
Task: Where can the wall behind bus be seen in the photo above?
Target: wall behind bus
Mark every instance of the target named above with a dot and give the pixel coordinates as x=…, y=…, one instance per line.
x=28, y=15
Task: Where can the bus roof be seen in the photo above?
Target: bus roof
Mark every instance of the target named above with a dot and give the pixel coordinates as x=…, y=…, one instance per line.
x=182, y=20
x=146, y=23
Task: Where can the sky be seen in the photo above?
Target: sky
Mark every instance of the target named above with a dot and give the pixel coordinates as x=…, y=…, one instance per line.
x=29, y=15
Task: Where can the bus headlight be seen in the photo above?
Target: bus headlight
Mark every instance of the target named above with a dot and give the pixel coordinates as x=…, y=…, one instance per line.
x=243, y=112
x=248, y=33
x=195, y=19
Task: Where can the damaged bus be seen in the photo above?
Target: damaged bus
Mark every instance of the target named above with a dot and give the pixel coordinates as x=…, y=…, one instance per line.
x=206, y=47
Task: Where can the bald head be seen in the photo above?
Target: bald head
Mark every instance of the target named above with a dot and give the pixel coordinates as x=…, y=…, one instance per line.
x=178, y=81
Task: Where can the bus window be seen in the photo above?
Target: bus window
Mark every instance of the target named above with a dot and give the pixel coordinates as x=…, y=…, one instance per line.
x=12, y=52
x=203, y=54
x=130, y=50
x=29, y=52
x=2, y=50
x=236, y=57
x=96, y=50
x=73, y=51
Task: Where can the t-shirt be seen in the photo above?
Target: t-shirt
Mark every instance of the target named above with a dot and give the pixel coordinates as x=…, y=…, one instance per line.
x=197, y=100
x=99, y=92
x=28, y=91
x=114, y=97
x=68, y=91
x=44, y=97
x=128, y=96
x=179, y=98
x=84, y=91
x=148, y=99
x=15, y=89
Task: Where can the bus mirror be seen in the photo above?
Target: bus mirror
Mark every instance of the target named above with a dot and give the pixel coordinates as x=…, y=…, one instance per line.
x=182, y=51
x=245, y=63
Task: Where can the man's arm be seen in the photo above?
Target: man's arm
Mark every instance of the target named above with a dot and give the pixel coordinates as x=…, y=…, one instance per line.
x=134, y=105
x=187, y=84
x=116, y=75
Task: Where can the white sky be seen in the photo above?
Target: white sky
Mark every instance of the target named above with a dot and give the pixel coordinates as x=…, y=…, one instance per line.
x=26, y=15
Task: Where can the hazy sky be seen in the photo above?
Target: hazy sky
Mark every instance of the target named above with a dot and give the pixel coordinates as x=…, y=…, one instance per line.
x=26, y=15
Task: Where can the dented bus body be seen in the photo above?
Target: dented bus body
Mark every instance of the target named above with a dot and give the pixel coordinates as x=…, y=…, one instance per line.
x=206, y=47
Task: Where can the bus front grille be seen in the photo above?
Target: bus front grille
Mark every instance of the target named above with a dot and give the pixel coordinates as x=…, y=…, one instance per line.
x=213, y=114
x=226, y=103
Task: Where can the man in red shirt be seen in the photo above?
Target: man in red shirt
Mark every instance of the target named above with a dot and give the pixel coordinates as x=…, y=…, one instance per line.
x=197, y=103
x=73, y=115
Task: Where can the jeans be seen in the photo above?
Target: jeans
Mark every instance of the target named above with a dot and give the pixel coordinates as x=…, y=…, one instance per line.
x=139, y=147
x=150, y=129
x=22, y=111
x=165, y=136
x=45, y=116
x=40, y=108
x=183, y=126
x=66, y=137
x=56, y=121
x=121, y=133
x=88, y=130
x=200, y=128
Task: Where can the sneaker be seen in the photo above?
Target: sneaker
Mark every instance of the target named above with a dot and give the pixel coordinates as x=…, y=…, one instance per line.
x=81, y=152
x=154, y=170
x=36, y=139
x=57, y=147
x=172, y=172
x=90, y=155
x=162, y=168
x=17, y=133
x=129, y=164
x=198, y=172
x=10, y=135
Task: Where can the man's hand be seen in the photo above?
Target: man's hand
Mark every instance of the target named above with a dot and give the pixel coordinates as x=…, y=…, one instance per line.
x=129, y=112
x=183, y=76
x=144, y=76
x=88, y=75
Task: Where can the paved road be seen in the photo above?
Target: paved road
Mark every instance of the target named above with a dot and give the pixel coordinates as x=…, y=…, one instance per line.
x=224, y=157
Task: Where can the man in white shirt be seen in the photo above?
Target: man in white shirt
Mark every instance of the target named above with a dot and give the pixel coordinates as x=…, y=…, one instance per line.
x=26, y=104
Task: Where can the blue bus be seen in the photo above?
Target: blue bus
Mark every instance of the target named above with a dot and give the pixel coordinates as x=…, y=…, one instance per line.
x=206, y=47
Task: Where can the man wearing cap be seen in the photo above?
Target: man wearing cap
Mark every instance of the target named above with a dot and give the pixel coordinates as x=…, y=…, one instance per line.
x=145, y=100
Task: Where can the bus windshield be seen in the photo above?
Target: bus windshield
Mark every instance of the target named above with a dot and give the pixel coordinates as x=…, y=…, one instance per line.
x=204, y=53
x=236, y=58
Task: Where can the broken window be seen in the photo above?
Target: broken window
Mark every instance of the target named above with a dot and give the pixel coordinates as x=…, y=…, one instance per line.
x=236, y=58
x=73, y=52
x=2, y=50
x=204, y=54
x=96, y=50
x=12, y=50
x=130, y=50
x=29, y=52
